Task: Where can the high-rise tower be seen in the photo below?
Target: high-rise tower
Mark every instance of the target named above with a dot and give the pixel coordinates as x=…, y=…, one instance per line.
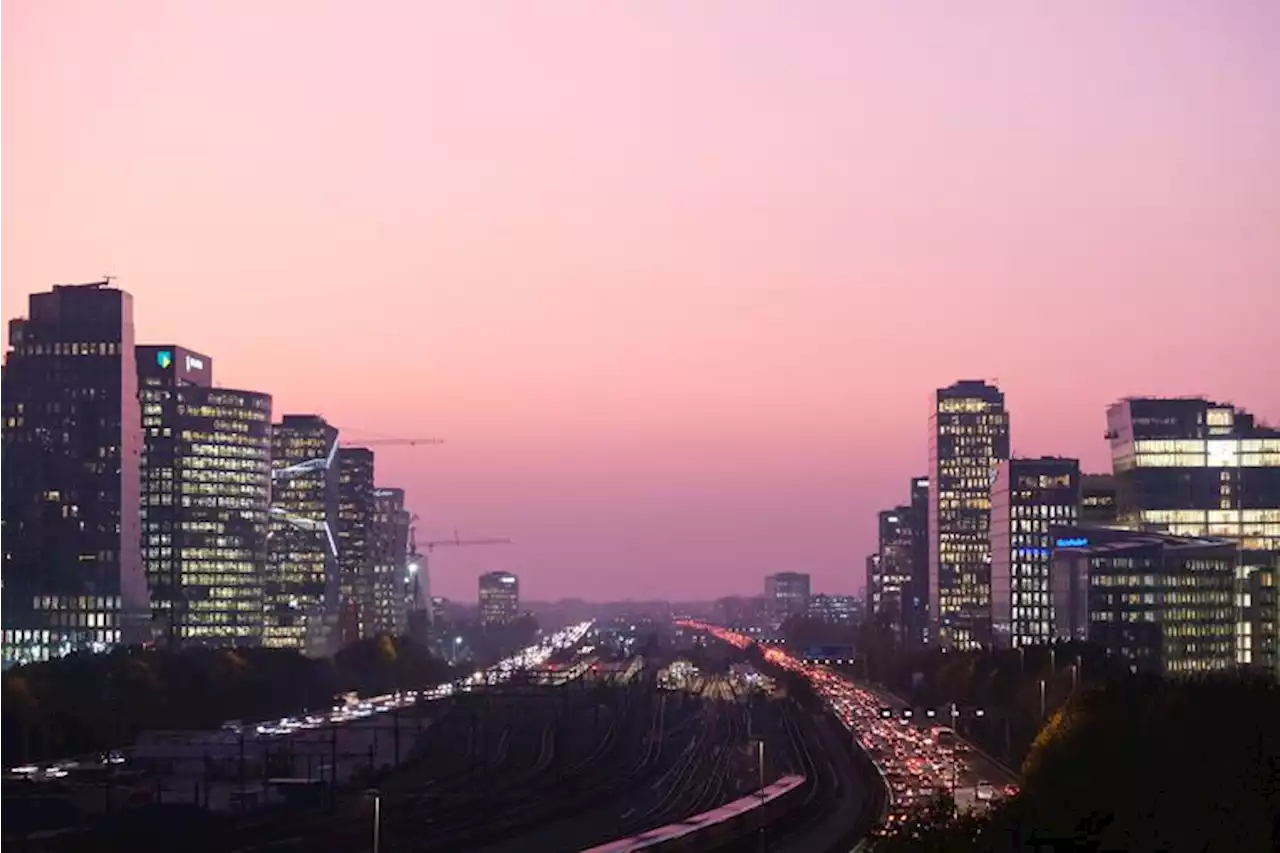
x=968, y=436
x=206, y=490
x=72, y=575
x=301, y=597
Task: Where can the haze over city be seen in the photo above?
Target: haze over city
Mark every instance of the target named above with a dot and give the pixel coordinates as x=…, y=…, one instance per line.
x=674, y=282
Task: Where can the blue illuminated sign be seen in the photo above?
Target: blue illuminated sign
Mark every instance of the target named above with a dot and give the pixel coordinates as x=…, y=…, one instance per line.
x=164, y=358
x=1076, y=542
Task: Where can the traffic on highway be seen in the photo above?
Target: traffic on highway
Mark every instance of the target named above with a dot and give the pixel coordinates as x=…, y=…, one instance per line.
x=918, y=758
x=350, y=708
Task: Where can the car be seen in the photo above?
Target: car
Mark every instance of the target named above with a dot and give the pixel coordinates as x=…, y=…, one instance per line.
x=985, y=791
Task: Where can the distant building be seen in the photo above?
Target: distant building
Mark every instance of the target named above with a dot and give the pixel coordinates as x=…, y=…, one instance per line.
x=737, y=611
x=917, y=613
x=896, y=538
x=871, y=585
x=1192, y=467
x=1098, y=500
x=968, y=436
x=835, y=609
x=787, y=594
x=73, y=575
x=1161, y=603
x=389, y=535
x=206, y=492
x=499, y=598
x=302, y=609
x=1029, y=497
x=355, y=538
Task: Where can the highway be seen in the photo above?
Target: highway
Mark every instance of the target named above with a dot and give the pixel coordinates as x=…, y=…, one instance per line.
x=916, y=756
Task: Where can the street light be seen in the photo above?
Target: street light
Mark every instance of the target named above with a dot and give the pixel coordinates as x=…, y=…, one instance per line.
x=1042, y=698
x=377, y=814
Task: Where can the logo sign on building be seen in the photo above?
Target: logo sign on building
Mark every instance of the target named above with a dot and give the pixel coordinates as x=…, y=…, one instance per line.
x=164, y=358
x=1074, y=542
x=194, y=363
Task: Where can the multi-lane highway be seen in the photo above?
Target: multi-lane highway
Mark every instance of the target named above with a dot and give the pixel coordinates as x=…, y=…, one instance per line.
x=917, y=756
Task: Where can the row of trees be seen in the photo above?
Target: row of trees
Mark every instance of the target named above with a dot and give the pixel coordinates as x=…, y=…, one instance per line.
x=91, y=702
x=1135, y=764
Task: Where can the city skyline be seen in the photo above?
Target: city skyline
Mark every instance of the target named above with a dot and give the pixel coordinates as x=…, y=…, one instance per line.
x=664, y=366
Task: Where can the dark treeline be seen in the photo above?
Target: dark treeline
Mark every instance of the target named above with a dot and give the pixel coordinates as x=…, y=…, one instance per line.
x=91, y=702
x=1135, y=764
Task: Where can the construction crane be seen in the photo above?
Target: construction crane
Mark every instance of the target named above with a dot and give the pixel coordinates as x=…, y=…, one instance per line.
x=420, y=575
x=391, y=442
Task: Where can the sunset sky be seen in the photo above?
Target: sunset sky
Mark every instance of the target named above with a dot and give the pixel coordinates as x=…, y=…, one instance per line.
x=674, y=280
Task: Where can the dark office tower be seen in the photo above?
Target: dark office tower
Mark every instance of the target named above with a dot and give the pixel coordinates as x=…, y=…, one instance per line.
x=1097, y=500
x=968, y=436
x=917, y=622
x=871, y=590
x=355, y=541
x=301, y=604
x=786, y=594
x=72, y=573
x=1191, y=467
x=389, y=535
x=1029, y=496
x=895, y=569
x=206, y=489
x=1161, y=603
x=499, y=598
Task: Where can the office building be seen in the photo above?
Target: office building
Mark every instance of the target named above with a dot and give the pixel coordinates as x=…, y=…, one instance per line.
x=72, y=575
x=786, y=594
x=389, y=534
x=1098, y=500
x=499, y=599
x=301, y=594
x=835, y=609
x=736, y=611
x=1161, y=603
x=896, y=558
x=355, y=541
x=968, y=436
x=1029, y=497
x=917, y=613
x=206, y=490
x=1192, y=467
x=871, y=585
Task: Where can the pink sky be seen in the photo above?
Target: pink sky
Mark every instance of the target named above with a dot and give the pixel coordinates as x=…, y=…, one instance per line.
x=674, y=280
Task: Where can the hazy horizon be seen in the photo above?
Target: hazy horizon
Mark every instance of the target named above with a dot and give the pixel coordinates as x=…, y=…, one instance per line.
x=675, y=282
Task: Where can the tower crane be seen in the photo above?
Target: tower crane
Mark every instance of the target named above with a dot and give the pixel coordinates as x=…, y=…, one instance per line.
x=420, y=575
x=391, y=442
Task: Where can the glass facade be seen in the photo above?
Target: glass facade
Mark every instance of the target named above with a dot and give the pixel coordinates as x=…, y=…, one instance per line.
x=1162, y=603
x=1029, y=496
x=355, y=544
x=301, y=590
x=1098, y=499
x=499, y=598
x=73, y=577
x=206, y=487
x=894, y=583
x=968, y=436
x=389, y=537
x=918, y=603
x=1193, y=467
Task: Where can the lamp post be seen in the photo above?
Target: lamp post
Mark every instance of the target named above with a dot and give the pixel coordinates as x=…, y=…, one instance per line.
x=1042, y=699
x=760, y=753
x=376, y=795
